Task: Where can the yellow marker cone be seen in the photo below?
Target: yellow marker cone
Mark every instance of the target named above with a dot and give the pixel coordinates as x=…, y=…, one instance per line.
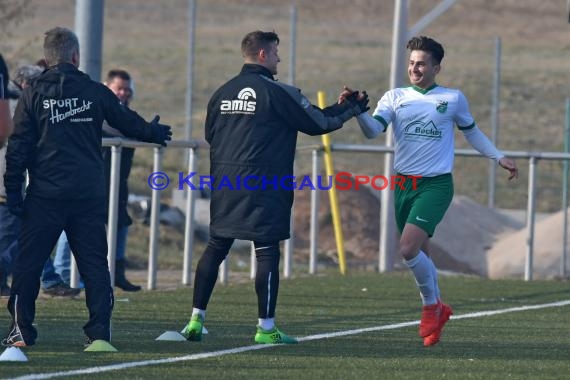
x=100, y=346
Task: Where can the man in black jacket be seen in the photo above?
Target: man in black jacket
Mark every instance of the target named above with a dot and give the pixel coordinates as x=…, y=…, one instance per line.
x=5, y=119
x=57, y=139
x=119, y=81
x=251, y=125
x=7, y=235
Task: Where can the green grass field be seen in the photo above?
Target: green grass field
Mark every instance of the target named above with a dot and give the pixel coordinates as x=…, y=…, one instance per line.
x=350, y=327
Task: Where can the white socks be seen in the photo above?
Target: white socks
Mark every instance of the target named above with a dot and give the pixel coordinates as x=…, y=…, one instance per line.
x=266, y=323
x=200, y=312
x=435, y=281
x=423, y=269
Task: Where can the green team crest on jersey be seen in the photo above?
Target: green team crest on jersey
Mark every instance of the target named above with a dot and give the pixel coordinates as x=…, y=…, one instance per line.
x=441, y=106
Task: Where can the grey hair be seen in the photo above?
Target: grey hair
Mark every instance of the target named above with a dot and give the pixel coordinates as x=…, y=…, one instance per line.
x=26, y=74
x=59, y=45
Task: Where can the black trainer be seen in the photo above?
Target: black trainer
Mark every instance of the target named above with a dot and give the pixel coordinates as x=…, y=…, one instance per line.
x=88, y=341
x=62, y=290
x=14, y=338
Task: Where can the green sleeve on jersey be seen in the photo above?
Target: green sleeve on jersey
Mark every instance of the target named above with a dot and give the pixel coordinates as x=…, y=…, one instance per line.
x=466, y=128
x=381, y=119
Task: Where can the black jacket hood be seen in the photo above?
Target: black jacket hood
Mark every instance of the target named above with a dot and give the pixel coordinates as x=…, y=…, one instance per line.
x=59, y=79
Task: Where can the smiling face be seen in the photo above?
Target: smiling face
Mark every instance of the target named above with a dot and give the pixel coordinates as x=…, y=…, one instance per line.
x=121, y=88
x=422, y=69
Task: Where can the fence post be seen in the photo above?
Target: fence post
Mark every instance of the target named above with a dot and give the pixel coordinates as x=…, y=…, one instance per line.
x=113, y=217
x=495, y=122
x=154, y=224
x=315, y=201
x=530, y=219
x=565, y=192
x=293, y=45
x=289, y=244
x=190, y=223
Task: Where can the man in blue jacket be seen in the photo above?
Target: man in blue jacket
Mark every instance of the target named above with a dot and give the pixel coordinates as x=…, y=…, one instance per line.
x=252, y=125
x=57, y=139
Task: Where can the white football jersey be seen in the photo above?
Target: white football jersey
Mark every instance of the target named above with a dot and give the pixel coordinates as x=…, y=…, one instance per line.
x=423, y=124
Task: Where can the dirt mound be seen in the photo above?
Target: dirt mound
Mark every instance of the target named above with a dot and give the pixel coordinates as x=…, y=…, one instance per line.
x=508, y=256
x=360, y=215
x=469, y=230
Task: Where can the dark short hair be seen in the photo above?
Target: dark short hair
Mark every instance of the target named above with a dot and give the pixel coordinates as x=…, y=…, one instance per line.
x=430, y=45
x=112, y=74
x=253, y=42
x=42, y=63
x=59, y=45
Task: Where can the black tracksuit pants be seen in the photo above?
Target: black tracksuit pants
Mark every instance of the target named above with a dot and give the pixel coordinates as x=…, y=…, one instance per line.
x=266, y=276
x=42, y=224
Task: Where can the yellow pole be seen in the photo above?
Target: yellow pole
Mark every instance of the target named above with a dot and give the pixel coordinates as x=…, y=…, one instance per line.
x=332, y=193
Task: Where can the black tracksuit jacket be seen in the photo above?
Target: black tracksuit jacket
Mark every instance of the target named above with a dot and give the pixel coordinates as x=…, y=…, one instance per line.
x=57, y=135
x=251, y=125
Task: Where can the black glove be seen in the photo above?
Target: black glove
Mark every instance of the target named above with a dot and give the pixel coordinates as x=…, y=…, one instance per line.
x=15, y=202
x=160, y=133
x=358, y=106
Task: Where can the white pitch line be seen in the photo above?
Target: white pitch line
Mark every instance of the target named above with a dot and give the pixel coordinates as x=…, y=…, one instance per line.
x=205, y=355
x=412, y=323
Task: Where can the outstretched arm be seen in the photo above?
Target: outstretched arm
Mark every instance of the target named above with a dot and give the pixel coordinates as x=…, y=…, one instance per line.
x=483, y=145
x=301, y=115
x=370, y=126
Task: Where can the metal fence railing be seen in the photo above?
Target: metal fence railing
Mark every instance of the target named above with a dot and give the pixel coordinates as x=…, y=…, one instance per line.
x=192, y=147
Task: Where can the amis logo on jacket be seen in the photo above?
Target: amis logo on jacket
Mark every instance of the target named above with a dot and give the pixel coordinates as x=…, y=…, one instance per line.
x=244, y=104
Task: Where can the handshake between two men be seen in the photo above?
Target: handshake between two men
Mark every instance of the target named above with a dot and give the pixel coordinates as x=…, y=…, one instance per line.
x=357, y=100
x=354, y=99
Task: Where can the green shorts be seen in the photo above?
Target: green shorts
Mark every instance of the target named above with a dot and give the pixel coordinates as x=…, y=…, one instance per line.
x=425, y=203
